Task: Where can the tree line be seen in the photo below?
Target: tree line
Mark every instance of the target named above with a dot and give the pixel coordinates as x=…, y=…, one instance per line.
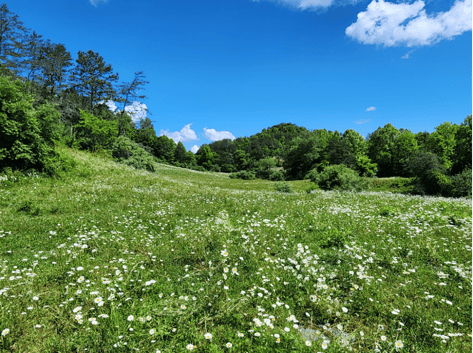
x=46, y=97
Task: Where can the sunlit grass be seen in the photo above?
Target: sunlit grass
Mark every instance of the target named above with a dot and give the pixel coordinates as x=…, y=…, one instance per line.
x=114, y=259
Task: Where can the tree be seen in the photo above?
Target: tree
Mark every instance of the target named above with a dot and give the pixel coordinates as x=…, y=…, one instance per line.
x=206, y=157
x=164, y=149
x=264, y=167
x=462, y=151
x=180, y=154
x=380, y=149
x=26, y=136
x=93, y=78
x=355, y=142
x=54, y=69
x=146, y=135
x=427, y=169
x=241, y=159
x=404, y=145
x=442, y=142
x=422, y=138
x=304, y=154
x=365, y=167
x=12, y=34
x=32, y=54
x=129, y=91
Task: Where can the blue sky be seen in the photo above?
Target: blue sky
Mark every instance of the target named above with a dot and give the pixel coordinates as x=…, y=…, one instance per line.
x=229, y=68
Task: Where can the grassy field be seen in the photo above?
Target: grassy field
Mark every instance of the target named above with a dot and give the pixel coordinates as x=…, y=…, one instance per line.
x=112, y=259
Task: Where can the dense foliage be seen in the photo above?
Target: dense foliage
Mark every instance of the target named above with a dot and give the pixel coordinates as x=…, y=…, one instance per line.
x=46, y=97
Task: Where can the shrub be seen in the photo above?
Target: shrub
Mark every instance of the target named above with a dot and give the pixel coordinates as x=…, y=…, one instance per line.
x=128, y=152
x=461, y=184
x=95, y=132
x=311, y=188
x=283, y=187
x=338, y=177
x=276, y=175
x=243, y=174
x=198, y=168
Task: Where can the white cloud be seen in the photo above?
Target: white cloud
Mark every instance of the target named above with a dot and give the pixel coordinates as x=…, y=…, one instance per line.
x=137, y=111
x=362, y=121
x=408, y=24
x=95, y=2
x=213, y=135
x=194, y=149
x=186, y=134
x=110, y=104
x=370, y=109
x=311, y=4
x=407, y=54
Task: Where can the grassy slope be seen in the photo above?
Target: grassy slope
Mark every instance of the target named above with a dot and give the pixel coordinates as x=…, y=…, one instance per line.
x=116, y=242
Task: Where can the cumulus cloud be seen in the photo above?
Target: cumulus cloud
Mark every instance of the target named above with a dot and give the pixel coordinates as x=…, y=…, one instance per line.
x=214, y=135
x=186, y=134
x=194, y=149
x=110, y=104
x=95, y=2
x=409, y=24
x=362, y=121
x=370, y=109
x=137, y=111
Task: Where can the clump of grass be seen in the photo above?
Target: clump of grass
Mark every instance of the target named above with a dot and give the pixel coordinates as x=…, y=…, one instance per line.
x=177, y=260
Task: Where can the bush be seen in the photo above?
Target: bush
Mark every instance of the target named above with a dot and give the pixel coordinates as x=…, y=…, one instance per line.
x=94, y=132
x=461, y=184
x=338, y=177
x=128, y=152
x=198, y=168
x=243, y=174
x=26, y=135
x=429, y=173
x=311, y=188
x=283, y=187
x=276, y=175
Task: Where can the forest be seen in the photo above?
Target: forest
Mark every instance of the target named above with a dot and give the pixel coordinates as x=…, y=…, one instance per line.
x=47, y=98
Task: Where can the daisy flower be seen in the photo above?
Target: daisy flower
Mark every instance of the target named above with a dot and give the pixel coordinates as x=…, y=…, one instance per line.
x=190, y=347
x=398, y=344
x=208, y=336
x=224, y=253
x=308, y=343
x=130, y=318
x=5, y=332
x=229, y=345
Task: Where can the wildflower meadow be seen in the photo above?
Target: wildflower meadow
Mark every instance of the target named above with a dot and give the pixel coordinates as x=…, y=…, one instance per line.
x=111, y=259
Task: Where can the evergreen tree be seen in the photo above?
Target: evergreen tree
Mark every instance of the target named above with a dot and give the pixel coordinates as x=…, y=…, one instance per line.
x=12, y=37
x=92, y=78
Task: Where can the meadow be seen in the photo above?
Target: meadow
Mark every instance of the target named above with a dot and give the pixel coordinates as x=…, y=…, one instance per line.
x=112, y=259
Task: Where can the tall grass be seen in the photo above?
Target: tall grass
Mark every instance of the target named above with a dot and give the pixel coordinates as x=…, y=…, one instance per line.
x=108, y=258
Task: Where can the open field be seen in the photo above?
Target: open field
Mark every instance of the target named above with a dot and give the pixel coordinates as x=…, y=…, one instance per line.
x=114, y=259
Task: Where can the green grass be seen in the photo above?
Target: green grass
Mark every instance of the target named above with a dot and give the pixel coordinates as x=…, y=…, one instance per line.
x=81, y=254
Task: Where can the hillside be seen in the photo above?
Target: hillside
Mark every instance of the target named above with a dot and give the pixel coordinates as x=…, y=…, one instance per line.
x=109, y=258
